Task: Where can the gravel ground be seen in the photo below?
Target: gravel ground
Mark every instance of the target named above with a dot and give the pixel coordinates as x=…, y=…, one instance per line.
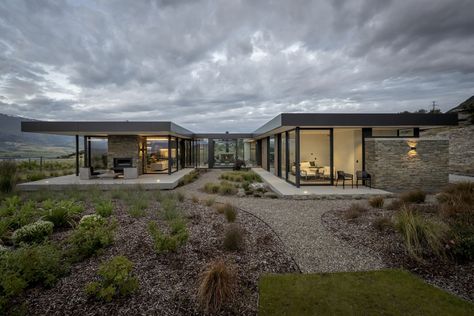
x=298, y=223
x=168, y=282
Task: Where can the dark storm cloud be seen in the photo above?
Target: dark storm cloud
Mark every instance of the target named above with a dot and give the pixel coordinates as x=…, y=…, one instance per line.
x=237, y=63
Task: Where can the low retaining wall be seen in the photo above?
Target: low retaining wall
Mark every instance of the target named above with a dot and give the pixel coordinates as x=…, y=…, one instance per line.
x=401, y=164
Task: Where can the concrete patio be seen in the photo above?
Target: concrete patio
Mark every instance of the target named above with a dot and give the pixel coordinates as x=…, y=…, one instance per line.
x=287, y=190
x=146, y=181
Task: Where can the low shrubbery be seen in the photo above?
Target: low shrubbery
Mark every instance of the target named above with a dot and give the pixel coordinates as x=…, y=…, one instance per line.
x=233, y=239
x=354, y=211
x=227, y=188
x=241, y=176
x=382, y=223
x=190, y=177
x=7, y=175
x=416, y=196
x=104, y=208
x=168, y=242
x=420, y=235
x=28, y=266
x=376, y=202
x=211, y=188
x=15, y=214
x=116, y=279
x=217, y=285
x=169, y=208
x=230, y=212
x=210, y=201
x=61, y=213
x=33, y=233
x=91, y=235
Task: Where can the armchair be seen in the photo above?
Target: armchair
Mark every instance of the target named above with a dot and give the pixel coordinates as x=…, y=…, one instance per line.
x=341, y=175
x=363, y=176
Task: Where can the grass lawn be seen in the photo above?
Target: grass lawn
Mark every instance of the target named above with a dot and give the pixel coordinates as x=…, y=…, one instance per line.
x=385, y=292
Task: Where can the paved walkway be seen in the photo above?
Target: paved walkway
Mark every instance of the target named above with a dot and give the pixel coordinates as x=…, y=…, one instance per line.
x=299, y=225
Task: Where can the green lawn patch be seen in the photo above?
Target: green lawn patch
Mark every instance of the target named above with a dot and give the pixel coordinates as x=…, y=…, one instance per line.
x=385, y=292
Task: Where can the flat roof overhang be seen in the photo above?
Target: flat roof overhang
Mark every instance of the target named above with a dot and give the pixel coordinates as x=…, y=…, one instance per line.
x=105, y=128
x=286, y=121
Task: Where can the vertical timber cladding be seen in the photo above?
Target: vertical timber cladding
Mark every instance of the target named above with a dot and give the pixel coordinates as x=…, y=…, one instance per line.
x=124, y=146
x=402, y=164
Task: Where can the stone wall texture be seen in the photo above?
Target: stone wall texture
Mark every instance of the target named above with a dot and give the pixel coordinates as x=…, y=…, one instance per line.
x=124, y=146
x=395, y=167
x=461, y=147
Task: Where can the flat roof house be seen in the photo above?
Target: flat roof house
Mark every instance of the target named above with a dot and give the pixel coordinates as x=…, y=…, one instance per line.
x=301, y=148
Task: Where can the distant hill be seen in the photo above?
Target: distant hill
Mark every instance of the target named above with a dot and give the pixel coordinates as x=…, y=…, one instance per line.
x=15, y=143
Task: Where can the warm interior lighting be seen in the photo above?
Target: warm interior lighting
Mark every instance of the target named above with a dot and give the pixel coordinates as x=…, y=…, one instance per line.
x=412, y=148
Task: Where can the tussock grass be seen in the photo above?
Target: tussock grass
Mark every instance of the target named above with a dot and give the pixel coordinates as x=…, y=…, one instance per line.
x=376, y=202
x=415, y=196
x=354, y=211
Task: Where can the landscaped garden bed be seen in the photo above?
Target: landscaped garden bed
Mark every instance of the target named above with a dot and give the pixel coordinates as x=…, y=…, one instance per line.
x=432, y=237
x=146, y=253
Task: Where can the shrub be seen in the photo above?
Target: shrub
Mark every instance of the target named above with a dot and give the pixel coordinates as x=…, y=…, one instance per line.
x=35, y=176
x=136, y=211
x=104, y=208
x=91, y=235
x=382, y=223
x=395, y=205
x=354, y=211
x=233, y=239
x=227, y=188
x=118, y=193
x=211, y=188
x=376, y=202
x=420, y=235
x=190, y=177
x=169, y=208
x=462, y=238
x=210, y=201
x=7, y=175
x=116, y=279
x=29, y=266
x=230, y=212
x=217, y=285
x=416, y=196
x=33, y=233
x=61, y=213
x=168, y=243
x=180, y=196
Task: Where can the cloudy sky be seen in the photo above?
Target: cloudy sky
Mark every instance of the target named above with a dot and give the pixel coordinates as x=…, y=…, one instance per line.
x=231, y=65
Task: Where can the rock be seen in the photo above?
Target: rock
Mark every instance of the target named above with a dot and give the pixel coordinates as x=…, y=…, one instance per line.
x=271, y=195
x=241, y=193
x=259, y=186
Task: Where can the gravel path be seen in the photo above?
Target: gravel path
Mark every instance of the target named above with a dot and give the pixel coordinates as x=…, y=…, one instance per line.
x=299, y=225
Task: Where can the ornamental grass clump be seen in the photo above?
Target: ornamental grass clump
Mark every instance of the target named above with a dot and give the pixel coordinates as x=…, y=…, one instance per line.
x=91, y=235
x=230, y=212
x=376, y=202
x=382, y=223
x=36, y=232
x=61, y=213
x=104, y=208
x=233, y=239
x=217, y=284
x=227, y=188
x=8, y=171
x=116, y=279
x=211, y=188
x=421, y=236
x=415, y=196
x=354, y=211
x=163, y=242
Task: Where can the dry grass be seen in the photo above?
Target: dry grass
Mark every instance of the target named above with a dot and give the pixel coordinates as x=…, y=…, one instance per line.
x=210, y=201
x=233, y=239
x=395, y=205
x=415, y=196
x=382, y=223
x=217, y=285
x=376, y=202
x=354, y=211
x=195, y=199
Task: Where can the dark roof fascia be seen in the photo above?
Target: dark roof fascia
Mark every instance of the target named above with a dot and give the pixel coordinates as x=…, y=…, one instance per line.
x=224, y=135
x=104, y=127
x=358, y=120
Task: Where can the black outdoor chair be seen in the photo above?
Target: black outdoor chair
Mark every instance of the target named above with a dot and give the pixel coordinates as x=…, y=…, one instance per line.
x=365, y=177
x=341, y=175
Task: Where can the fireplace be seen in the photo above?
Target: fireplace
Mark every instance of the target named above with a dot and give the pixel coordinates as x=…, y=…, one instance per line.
x=120, y=163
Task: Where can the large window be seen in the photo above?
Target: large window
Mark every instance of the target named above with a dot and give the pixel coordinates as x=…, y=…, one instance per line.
x=283, y=156
x=292, y=156
x=174, y=155
x=348, y=150
x=315, y=156
x=249, y=153
x=156, y=155
x=271, y=154
x=98, y=148
x=225, y=152
x=202, y=153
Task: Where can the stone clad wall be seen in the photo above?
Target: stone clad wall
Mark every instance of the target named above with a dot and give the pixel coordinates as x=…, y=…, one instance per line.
x=124, y=146
x=395, y=167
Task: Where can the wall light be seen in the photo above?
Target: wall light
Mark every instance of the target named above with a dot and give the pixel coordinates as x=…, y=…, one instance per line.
x=412, y=147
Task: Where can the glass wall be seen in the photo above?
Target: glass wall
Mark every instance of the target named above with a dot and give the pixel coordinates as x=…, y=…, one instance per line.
x=98, y=148
x=315, y=156
x=225, y=152
x=283, y=155
x=249, y=152
x=271, y=154
x=292, y=156
x=156, y=155
x=202, y=152
x=174, y=155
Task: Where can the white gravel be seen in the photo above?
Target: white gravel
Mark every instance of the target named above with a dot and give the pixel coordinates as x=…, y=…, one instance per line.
x=298, y=223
